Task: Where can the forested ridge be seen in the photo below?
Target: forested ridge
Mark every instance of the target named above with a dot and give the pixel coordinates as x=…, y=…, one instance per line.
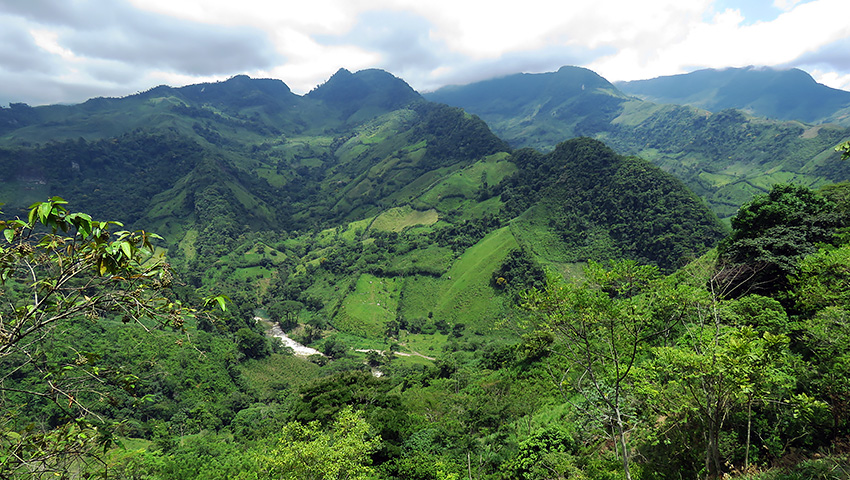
x=729, y=135
x=481, y=312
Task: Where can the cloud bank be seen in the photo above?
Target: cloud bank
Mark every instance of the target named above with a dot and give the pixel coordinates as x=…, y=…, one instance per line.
x=59, y=51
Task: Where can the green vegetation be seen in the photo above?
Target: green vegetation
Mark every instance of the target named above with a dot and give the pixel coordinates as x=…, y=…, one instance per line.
x=790, y=94
x=480, y=312
x=594, y=204
x=725, y=156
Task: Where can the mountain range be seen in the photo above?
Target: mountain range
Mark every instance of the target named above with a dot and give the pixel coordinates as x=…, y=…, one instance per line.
x=274, y=196
x=422, y=248
x=364, y=156
x=725, y=156
x=790, y=94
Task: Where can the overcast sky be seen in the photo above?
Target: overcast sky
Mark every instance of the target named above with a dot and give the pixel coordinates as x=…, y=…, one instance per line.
x=65, y=51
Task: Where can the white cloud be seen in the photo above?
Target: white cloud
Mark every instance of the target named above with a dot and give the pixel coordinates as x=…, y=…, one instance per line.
x=785, y=4
x=49, y=41
x=832, y=79
x=115, y=45
x=726, y=41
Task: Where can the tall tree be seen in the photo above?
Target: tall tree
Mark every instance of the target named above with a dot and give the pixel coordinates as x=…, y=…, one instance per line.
x=600, y=329
x=306, y=452
x=56, y=266
x=771, y=234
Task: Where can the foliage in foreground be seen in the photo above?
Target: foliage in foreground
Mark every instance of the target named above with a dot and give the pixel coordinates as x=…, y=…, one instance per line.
x=57, y=267
x=626, y=373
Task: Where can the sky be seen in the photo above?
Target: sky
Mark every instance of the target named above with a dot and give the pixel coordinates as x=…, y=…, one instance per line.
x=66, y=51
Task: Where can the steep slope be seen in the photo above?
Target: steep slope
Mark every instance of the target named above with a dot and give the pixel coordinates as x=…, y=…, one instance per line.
x=583, y=201
x=436, y=264
x=539, y=110
x=363, y=205
x=367, y=91
x=790, y=94
x=725, y=157
x=333, y=154
x=240, y=103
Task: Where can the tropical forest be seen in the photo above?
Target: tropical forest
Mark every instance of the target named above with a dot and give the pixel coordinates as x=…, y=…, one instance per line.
x=538, y=276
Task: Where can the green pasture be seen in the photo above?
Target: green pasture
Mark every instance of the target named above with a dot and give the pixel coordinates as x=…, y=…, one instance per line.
x=366, y=310
x=276, y=373
x=399, y=218
x=463, y=294
x=432, y=259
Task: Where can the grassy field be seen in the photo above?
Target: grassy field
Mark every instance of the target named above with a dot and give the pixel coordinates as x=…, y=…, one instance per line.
x=433, y=259
x=277, y=372
x=463, y=294
x=399, y=218
x=366, y=311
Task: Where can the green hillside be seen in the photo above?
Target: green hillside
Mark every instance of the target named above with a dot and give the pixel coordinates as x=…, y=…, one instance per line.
x=479, y=311
x=311, y=199
x=790, y=94
x=725, y=156
x=539, y=110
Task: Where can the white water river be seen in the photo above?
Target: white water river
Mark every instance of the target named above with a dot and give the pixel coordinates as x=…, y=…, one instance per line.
x=299, y=349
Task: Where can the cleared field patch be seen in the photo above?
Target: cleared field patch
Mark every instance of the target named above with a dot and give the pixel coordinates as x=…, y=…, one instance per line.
x=463, y=294
x=366, y=310
x=419, y=344
x=766, y=182
x=466, y=183
x=187, y=244
x=256, y=254
x=716, y=179
x=277, y=372
x=399, y=218
x=433, y=260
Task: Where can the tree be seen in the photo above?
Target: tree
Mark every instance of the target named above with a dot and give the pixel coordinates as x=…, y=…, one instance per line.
x=715, y=369
x=286, y=313
x=726, y=355
x=823, y=280
x=252, y=344
x=56, y=266
x=772, y=233
x=844, y=148
x=305, y=452
x=600, y=329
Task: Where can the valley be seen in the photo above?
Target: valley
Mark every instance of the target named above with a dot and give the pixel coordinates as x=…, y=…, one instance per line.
x=564, y=277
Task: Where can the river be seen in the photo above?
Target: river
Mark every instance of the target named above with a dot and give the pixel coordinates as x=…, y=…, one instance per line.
x=300, y=350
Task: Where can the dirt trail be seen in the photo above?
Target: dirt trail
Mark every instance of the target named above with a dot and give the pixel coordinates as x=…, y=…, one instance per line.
x=400, y=354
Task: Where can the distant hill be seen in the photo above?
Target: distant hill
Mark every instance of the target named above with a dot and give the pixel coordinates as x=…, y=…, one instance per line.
x=319, y=199
x=368, y=91
x=539, y=110
x=781, y=94
x=724, y=156
x=583, y=201
x=290, y=161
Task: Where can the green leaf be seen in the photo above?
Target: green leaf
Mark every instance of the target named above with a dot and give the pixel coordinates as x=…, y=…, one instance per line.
x=221, y=300
x=32, y=214
x=9, y=234
x=127, y=249
x=44, y=212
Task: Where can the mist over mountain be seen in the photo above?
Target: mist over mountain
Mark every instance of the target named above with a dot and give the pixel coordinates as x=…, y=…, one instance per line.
x=724, y=156
x=458, y=274
x=780, y=94
x=539, y=110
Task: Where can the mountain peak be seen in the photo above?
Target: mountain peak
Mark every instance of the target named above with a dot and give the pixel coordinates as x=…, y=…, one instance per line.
x=239, y=84
x=373, y=90
x=785, y=94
